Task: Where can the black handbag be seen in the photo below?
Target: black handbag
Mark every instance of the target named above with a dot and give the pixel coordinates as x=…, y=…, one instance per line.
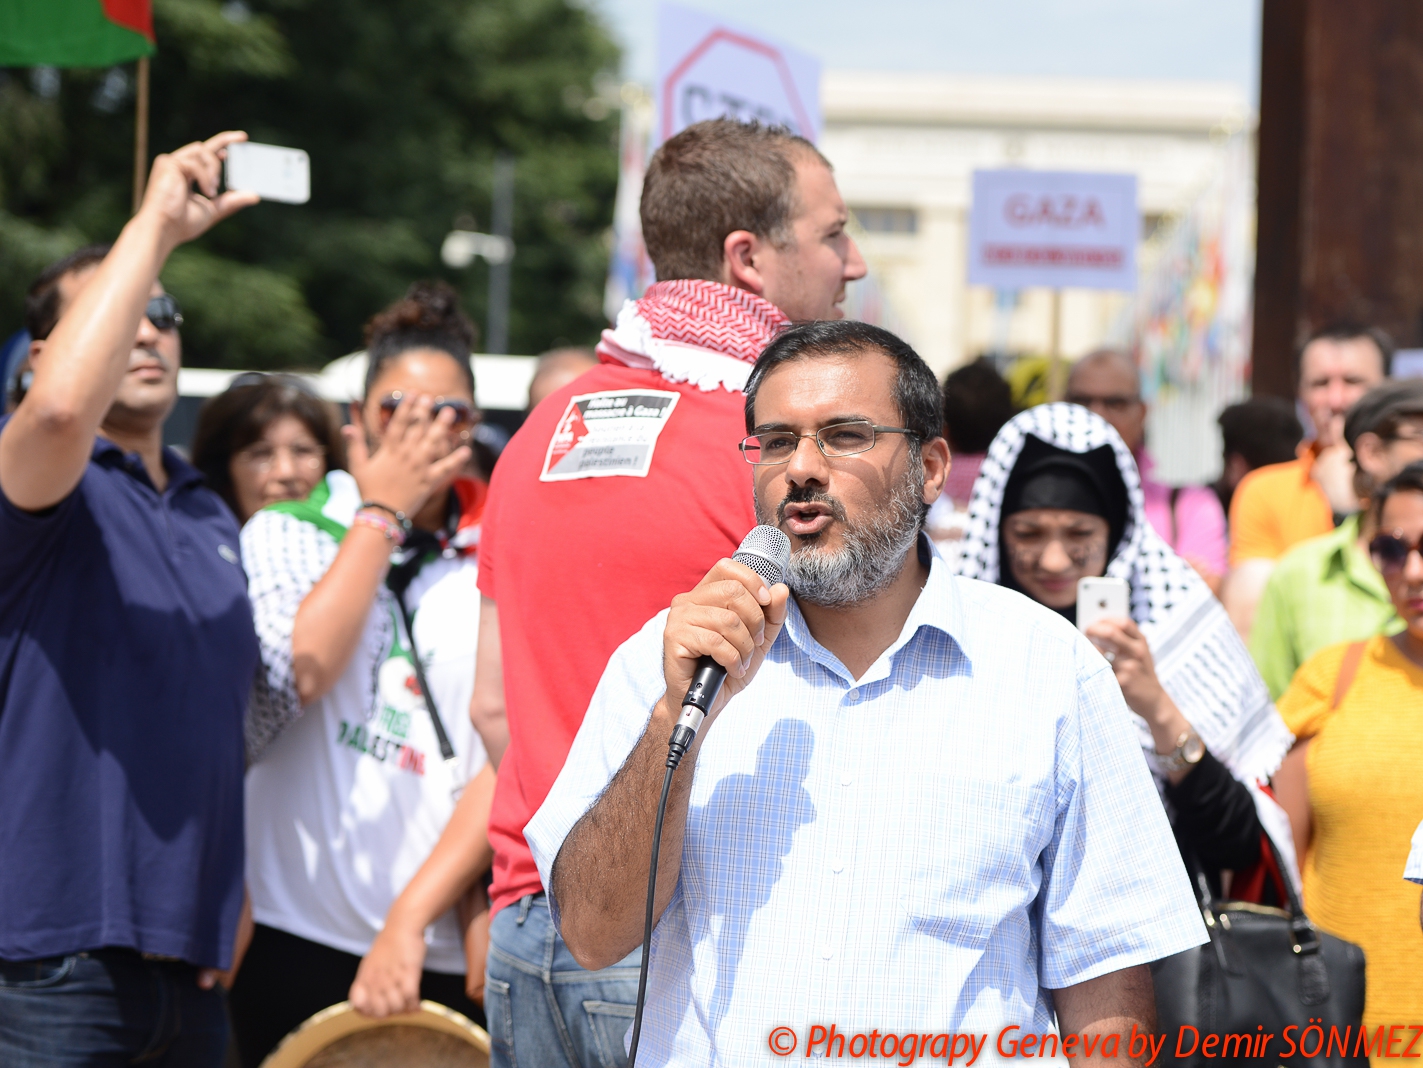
x=1264, y=972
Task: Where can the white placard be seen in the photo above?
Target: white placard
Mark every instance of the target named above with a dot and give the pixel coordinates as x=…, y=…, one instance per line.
x=708, y=68
x=1054, y=229
x=614, y=432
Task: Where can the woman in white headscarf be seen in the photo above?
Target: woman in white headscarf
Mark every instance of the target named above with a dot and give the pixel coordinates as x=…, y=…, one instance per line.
x=1059, y=499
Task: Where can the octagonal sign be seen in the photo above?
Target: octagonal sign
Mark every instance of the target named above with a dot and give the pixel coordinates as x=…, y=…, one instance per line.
x=708, y=68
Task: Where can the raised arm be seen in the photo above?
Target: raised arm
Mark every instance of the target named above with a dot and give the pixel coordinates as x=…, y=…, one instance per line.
x=412, y=462
x=600, y=875
x=47, y=443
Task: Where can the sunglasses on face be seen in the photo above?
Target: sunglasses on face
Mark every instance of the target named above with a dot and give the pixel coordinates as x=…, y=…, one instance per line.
x=1390, y=552
x=463, y=411
x=163, y=312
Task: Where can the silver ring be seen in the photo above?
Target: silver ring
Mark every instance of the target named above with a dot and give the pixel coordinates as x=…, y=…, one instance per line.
x=1111, y=655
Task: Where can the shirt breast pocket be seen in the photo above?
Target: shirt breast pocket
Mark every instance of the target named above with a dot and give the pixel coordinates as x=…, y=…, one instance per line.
x=972, y=863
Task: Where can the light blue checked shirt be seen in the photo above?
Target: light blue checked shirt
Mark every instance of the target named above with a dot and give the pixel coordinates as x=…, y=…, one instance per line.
x=927, y=848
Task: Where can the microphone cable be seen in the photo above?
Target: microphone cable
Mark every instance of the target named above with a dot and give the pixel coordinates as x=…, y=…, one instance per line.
x=767, y=551
x=675, y=750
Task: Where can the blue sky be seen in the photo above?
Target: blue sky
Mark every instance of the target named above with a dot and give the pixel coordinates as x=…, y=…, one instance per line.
x=1206, y=40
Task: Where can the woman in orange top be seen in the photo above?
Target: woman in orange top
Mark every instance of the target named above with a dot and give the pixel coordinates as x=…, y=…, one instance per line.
x=1353, y=784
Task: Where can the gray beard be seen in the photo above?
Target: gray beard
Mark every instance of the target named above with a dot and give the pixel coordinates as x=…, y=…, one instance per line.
x=872, y=553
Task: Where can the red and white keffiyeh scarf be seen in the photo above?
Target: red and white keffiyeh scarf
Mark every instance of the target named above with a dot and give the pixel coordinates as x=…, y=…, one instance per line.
x=693, y=330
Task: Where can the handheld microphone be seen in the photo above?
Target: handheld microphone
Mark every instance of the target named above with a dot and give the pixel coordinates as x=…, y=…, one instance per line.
x=766, y=551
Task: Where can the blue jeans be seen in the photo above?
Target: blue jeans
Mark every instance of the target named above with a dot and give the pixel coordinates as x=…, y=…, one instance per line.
x=108, y=1007
x=544, y=1011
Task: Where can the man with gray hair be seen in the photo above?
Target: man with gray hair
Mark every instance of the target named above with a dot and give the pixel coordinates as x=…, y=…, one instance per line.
x=888, y=831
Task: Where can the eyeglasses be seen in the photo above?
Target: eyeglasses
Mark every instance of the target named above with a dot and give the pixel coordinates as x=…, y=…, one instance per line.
x=838, y=439
x=465, y=415
x=1119, y=402
x=163, y=312
x=262, y=456
x=1390, y=552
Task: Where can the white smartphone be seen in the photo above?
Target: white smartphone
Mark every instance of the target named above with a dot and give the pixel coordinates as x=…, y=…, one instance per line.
x=273, y=173
x=1100, y=598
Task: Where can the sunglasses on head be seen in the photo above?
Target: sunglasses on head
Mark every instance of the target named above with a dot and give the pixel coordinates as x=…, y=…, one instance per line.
x=163, y=312
x=463, y=411
x=258, y=378
x=1390, y=552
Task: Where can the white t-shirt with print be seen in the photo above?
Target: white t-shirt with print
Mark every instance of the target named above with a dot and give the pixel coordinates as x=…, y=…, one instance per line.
x=348, y=800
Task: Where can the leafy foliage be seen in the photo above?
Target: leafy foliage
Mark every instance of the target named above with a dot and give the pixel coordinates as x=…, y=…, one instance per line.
x=402, y=105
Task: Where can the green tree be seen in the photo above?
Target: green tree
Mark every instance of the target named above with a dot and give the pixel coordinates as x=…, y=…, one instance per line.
x=402, y=105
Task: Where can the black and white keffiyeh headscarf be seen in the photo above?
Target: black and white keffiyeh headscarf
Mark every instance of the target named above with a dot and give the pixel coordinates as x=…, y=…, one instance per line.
x=1200, y=659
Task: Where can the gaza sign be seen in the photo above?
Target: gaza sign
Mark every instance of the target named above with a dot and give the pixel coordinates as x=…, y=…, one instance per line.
x=1057, y=229
x=708, y=68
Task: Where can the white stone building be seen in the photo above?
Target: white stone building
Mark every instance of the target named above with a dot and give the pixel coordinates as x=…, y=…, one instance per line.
x=904, y=147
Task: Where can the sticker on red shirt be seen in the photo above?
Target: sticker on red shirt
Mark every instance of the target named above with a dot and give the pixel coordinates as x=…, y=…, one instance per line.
x=609, y=433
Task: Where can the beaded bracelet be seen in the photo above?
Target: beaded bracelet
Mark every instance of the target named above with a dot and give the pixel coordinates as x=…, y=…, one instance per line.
x=392, y=531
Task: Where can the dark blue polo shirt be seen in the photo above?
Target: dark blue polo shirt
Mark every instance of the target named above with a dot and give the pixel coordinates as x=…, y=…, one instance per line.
x=126, y=657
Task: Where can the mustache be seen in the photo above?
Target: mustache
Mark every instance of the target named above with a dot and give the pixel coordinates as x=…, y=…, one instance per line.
x=144, y=352
x=806, y=495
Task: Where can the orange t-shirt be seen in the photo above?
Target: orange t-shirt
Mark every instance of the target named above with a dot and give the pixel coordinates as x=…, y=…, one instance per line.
x=1278, y=506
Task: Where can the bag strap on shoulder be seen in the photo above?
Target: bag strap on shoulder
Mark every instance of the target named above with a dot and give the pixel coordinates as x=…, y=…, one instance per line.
x=1348, y=668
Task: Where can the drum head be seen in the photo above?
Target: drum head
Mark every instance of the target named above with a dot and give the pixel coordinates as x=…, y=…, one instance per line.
x=340, y=1037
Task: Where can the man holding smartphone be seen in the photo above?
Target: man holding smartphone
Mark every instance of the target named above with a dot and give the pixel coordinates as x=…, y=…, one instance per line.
x=129, y=652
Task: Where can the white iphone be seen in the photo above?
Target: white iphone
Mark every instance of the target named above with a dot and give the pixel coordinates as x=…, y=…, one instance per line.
x=1101, y=598
x=273, y=173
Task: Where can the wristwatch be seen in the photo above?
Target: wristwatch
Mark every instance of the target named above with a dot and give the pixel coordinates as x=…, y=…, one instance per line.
x=1187, y=754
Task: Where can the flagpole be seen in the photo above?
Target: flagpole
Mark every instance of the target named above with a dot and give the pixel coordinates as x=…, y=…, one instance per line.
x=140, y=135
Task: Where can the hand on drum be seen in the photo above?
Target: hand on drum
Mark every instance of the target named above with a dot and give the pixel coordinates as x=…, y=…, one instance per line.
x=388, y=980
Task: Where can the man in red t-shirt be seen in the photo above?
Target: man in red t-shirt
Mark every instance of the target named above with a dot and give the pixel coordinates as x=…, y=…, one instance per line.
x=620, y=491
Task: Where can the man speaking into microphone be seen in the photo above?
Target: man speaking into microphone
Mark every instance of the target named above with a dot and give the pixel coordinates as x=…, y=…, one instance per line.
x=916, y=806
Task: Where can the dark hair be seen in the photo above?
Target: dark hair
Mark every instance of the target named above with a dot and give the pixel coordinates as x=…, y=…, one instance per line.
x=1264, y=430
x=977, y=402
x=42, y=298
x=1410, y=479
x=713, y=178
x=240, y=415
x=1350, y=331
x=427, y=317
x=916, y=390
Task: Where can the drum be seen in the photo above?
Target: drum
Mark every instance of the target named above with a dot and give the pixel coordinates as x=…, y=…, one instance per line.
x=340, y=1037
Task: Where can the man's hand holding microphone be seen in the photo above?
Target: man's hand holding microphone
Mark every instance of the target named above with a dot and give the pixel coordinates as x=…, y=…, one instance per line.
x=734, y=628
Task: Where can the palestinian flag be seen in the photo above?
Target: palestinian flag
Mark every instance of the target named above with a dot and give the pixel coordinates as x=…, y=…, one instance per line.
x=74, y=33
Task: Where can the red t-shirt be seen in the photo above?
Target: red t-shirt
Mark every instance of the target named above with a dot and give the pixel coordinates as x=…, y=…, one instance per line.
x=578, y=562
